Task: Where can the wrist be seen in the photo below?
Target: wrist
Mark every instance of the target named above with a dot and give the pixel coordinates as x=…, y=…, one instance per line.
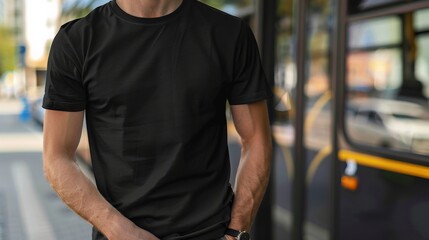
x=239, y=226
x=240, y=221
x=227, y=237
x=115, y=224
x=237, y=234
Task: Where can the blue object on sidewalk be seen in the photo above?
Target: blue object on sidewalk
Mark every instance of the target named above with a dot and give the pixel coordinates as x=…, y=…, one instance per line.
x=25, y=114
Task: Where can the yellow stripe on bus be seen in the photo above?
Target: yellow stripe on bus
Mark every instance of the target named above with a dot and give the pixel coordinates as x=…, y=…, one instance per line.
x=385, y=163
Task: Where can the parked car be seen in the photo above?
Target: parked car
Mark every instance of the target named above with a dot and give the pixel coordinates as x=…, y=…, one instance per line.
x=389, y=123
x=37, y=112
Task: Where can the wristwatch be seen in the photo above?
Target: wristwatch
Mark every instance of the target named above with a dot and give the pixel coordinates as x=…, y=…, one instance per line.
x=239, y=235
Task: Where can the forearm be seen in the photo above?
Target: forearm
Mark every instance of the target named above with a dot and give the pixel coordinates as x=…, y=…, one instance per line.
x=251, y=181
x=80, y=194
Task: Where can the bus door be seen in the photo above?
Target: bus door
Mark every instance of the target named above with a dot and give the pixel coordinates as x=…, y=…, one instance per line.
x=383, y=130
x=302, y=126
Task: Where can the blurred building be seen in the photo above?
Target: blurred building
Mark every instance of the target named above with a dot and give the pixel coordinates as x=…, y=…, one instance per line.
x=12, y=15
x=40, y=26
x=41, y=22
x=34, y=24
x=2, y=12
x=12, y=18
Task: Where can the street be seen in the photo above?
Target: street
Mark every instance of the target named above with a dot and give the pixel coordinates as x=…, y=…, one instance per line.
x=29, y=208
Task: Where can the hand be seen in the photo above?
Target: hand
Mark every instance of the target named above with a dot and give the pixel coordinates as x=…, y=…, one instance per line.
x=136, y=235
x=139, y=234
x=227, y=237
x=132, y=232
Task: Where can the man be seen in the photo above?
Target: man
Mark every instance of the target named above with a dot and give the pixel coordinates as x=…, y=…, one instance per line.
x=153, y=77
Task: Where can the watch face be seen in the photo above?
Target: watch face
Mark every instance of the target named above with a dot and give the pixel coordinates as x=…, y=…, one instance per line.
x=244, y=236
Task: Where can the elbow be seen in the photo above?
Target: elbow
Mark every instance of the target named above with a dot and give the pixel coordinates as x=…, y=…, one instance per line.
x=50, y=171
x=46, y=168
x=264, y=142
x=50, y=163
x=269, y=142
x=261, y=147
x=268, y=157
x=269, y=146
x=267, y=149
x=48, y=157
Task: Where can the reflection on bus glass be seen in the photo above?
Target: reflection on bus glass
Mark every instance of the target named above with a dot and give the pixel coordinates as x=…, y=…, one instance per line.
x=373, y=32
x=388, y=81
x=370, y=71
x=422, y=63
x=421, y=19
x=389, y=123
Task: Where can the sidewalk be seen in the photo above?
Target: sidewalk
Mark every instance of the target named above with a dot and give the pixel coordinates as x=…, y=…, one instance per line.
x=29, y=208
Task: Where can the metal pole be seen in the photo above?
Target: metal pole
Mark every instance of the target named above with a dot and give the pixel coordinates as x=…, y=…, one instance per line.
x=299, y=190
x=338, y=67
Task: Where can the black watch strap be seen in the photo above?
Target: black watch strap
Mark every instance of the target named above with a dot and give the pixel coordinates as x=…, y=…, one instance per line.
x=232, y=232
x=239, y=235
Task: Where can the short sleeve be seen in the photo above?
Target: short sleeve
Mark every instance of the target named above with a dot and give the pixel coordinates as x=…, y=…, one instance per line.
x=64, y=89
x=249, y=83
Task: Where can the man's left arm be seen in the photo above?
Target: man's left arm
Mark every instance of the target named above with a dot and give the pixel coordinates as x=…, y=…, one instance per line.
x=252, y=124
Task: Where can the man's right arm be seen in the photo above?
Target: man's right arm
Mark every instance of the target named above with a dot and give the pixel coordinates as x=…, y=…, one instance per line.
x=62, y=131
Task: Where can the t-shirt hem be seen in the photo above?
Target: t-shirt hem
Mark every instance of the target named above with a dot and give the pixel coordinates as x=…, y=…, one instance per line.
x=63, y=106
x=250, y=98
x=215, y=234
x=211, y=235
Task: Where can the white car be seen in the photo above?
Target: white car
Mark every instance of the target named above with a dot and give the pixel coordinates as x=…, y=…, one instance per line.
x=37, y=112
x=389, y=123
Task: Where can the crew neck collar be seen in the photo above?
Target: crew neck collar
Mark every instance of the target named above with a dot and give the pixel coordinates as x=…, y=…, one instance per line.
x=124, y=15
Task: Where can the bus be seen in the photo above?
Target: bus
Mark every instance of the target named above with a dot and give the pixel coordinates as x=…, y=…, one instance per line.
x=350, y=117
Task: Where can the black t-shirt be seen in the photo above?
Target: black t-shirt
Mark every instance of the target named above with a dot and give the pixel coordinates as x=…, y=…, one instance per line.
x=154, y=91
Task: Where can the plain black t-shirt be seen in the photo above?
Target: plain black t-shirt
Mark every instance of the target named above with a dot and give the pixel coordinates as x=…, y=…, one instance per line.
x=154, y=91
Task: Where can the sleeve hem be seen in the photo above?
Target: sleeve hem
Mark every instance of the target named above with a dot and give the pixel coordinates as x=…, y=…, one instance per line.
x=63, y=106
x=251, y=98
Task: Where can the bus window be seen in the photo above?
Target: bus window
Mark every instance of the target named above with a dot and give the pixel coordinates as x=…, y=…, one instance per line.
x=421, y=20
x=388, y=81
x=422, y=67
x=374, y=72
x=372, y=32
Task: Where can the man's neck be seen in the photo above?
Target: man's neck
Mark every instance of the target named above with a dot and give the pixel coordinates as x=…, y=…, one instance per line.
x=149, y=8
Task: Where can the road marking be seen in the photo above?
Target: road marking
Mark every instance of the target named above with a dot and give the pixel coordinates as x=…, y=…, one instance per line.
x=2, y=217
x=10, y=107
x=20, y=142
x=34, y=218
x=315, y=163
x=312, y=232
x=283, y=217
x=315, y=110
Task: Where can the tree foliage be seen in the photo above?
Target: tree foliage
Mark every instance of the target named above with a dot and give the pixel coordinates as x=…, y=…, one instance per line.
x=78, y=9
x=7, y=50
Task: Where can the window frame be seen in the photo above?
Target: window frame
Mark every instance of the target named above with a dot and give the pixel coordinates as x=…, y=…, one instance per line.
x=343, y=37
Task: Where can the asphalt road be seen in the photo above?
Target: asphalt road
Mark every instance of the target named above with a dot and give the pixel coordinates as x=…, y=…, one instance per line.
x=29, y=208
